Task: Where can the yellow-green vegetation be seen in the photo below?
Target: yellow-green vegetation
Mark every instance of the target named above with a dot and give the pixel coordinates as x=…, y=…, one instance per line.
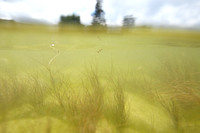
x=91, y=80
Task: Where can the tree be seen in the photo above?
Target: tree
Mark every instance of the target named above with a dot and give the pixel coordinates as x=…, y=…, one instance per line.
x=98, y=16
x=128, y=21
x=70, y=19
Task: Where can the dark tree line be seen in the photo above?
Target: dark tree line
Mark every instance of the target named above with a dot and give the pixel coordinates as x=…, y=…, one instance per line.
x=70, y=19
x=98, y=18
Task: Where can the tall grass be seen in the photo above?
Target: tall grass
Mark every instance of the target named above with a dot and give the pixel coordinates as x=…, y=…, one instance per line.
x=120, y=110
x=85, y=110
x=97, y=100
x=116, y=108
x=178, y=89
x=10, y=97
x=171, y=107
x=181, y=76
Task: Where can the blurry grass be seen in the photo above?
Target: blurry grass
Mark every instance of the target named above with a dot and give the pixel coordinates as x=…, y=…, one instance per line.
x=142, y=80
x=179, y=90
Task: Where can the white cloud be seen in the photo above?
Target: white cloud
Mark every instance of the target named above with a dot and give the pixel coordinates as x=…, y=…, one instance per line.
x=155, y=12
x=48, y=9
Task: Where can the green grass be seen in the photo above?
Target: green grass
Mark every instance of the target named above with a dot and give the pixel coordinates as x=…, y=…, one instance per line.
x=135, y=81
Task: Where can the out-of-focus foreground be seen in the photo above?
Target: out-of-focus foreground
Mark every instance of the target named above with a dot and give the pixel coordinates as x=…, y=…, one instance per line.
x=92, y=80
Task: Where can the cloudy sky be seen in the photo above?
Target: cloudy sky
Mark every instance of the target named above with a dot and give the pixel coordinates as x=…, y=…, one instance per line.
x=182, y=13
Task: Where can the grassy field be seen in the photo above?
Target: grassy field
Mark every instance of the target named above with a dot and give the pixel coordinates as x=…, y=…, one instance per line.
x=98, y=81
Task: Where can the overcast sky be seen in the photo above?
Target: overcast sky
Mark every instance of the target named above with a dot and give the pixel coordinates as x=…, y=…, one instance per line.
x=184, y=13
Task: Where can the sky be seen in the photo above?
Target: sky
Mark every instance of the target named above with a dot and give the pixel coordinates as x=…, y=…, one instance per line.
x=180, y=13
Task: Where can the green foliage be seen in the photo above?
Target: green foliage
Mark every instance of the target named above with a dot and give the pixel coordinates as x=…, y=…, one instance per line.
x=70, y=19
x=98, y=16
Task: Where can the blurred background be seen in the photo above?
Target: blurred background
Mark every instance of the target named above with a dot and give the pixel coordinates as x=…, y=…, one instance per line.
x=157, y=13
x=99, y=66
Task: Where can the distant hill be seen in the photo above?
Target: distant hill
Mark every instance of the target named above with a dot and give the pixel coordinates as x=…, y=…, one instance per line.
x=7, y=21
x=24, y=20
